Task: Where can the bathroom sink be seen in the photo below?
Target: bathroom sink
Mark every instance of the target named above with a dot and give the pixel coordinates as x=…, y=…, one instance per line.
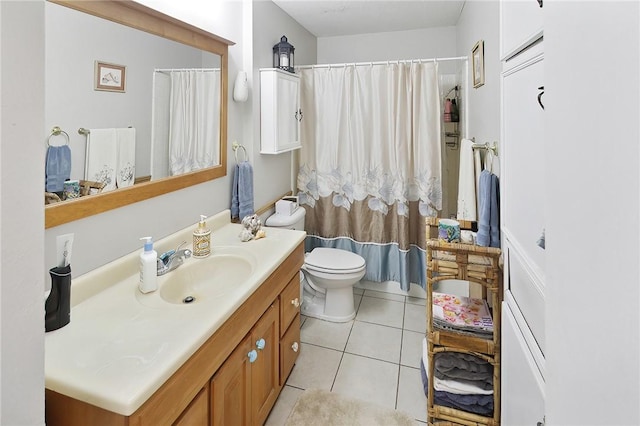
x=199, y=281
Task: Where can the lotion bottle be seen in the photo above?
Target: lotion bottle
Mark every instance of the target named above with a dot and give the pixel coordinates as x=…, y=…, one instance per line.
x=202, y=239
x=148, y=267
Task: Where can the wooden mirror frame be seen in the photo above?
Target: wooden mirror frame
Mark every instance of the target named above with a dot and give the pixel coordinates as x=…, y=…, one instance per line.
x=143, y=18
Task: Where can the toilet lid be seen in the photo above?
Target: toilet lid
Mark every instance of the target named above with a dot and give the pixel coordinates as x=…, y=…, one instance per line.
x=324, y=258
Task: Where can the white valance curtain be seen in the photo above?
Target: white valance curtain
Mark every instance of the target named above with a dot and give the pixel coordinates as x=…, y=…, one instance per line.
x=194, y=130
x=372, y=148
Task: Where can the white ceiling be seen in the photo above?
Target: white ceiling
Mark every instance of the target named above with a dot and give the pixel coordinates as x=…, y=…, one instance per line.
x=326, y=18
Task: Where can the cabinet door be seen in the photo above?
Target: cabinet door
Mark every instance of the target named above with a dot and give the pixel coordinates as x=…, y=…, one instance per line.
x=289, y=303
x=265, y=384
x=523, y=167
x=522, y=386
x=280, y=113
x=231, y=388
x=288, y=133
x=289, y=349
x=520, y=23
x=197, y=413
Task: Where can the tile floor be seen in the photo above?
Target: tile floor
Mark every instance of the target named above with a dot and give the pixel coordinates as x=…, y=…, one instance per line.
x=375, y=357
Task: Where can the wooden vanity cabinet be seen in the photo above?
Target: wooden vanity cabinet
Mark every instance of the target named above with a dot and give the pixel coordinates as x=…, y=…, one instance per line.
x=231, y=388
x=289, y=327
x=197, y=413
x=242, y=391
x=217, y=385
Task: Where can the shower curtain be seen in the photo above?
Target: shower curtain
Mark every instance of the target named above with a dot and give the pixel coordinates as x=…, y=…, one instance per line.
x=370, y=163
x=193, y=130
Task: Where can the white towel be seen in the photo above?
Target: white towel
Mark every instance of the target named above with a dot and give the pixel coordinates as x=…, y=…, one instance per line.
x=102, y=157
x=126, y=149
x=467, y=205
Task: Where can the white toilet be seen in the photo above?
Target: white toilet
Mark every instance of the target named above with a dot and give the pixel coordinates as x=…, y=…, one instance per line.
x=329, y=274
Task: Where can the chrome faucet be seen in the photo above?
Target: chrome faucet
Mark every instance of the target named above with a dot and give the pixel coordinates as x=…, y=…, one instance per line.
x=170, y=260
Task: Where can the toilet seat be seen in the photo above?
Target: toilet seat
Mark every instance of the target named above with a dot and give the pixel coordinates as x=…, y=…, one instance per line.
x=330, y=271
x=333, y=261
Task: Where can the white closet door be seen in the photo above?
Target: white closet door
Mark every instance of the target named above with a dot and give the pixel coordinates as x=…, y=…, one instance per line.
x=523, y=172
x=522, y=386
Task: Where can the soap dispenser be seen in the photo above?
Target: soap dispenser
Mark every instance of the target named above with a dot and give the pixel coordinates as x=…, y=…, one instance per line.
x=148, y=267
x=202, y=239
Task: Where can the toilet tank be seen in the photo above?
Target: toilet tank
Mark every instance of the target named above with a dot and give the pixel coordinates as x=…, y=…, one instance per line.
x=294, y=221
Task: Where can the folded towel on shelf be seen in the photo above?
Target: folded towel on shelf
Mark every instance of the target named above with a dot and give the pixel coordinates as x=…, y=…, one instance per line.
x=457, y=386
x=242, y=191
x=462, y=313
x=477, y=404
x=455, y=365
x=102, y=157
x=489, y=219
x=57, y=167
x=126, y=152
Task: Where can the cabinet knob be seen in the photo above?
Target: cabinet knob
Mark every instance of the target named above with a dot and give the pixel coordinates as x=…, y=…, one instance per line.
x=295, y=346
x=540, y=3
x=253, y=355
x=298, y=115
x=260, y=344
x=295, y=302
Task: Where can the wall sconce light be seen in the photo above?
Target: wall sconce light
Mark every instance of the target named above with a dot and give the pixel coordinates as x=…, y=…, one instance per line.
x=241, y=87
x=283, y=55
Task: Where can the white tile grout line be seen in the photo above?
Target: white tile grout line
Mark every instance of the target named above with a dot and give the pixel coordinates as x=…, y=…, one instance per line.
x=399, y=363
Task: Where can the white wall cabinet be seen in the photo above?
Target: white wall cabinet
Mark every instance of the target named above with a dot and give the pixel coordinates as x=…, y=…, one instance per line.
x=522, y=200
x=520, y=25
x=280, y=112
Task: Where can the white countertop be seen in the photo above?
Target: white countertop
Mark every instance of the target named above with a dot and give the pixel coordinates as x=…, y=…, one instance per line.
x=116, y=352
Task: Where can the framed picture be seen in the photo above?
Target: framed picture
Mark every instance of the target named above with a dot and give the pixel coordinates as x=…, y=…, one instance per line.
x=477, y=60
x=110, y=77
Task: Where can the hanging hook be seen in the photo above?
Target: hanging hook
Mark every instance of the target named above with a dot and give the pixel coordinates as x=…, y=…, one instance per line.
x=235, y=146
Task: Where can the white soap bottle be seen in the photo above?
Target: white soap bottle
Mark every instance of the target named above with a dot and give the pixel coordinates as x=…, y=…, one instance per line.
x=148, y=267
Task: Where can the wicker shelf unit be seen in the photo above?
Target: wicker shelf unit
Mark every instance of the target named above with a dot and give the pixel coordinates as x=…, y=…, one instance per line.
x=474, y=264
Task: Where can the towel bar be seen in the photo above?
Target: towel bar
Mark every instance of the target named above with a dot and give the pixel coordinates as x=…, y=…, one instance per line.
x=493, y=147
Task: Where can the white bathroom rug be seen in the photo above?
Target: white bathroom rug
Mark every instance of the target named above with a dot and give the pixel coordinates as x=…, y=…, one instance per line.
x=322, y=408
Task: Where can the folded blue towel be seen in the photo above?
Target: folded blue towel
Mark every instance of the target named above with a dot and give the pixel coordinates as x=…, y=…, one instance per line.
x=489, y=220
x=57, y=167
x=242, y=192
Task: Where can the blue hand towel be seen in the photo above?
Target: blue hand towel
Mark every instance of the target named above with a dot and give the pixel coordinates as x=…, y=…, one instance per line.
x=57, y=167
x=489, y=220
x=494, y=220
x=235, y=206
x=242, y=193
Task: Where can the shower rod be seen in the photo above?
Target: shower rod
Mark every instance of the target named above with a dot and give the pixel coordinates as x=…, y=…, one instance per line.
x=400, y=61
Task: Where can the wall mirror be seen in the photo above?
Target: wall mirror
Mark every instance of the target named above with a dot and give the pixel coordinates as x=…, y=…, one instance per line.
x=147, y=51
